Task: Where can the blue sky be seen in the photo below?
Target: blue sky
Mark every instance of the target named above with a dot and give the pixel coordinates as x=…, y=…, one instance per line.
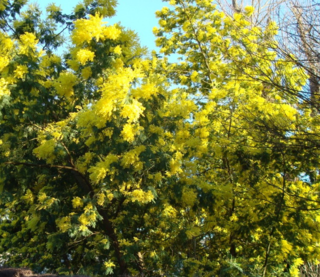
x=138, y=15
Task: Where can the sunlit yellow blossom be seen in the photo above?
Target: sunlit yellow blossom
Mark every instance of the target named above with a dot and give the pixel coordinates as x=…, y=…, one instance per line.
x=77, y=202
x=132, y=156
x=128, y=132
x=84, y=220
x=3, y=88
x=162, y=22
x=249, y=10
x=142, y=196
x=237, y=16
x=87, y=29
x=286, y=246
x=101, y=198
x=108, y=264
x=194, y=76
x=100, y=170
x=110, y=196
x=64, y=84
x=20, y=71
x=165, y=10
x=169, y=211
x=28, y=43
x=86, y=72
x=117, y=50
x=83, y=228
x=74, y=65
x=132, y=111
x=85, y=55
x=111, y=32
x=4, y=61
x=42, y=197
x=146, y=91
x=88, y=207
x=6, y=43
x=64, y=224
x=155, y=30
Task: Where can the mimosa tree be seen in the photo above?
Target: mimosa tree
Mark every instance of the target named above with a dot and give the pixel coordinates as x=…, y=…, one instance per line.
x=112, y=163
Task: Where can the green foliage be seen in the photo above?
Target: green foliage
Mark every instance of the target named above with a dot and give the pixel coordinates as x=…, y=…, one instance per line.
x=107, y=169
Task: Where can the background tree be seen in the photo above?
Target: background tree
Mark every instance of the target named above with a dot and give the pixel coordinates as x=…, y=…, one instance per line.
x=296, y=40
x=300, y=32
x=252, y=131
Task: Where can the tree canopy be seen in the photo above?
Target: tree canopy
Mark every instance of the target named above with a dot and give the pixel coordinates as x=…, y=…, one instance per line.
x=117, y=162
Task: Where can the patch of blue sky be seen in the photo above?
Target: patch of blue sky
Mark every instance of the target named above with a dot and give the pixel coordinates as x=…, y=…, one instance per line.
x=137, y=15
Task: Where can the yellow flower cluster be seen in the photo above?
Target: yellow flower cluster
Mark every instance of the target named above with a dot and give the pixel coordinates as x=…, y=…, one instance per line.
x=3, y=88
x=108, y=264
x=77, y=202
x=87, y=29
x=42, y=197
x=169, y=211
x=249, y=10
x=86, y=73
x=100, y=170
x=101, y=198
x=146, y=91
x=4, y=61
x=142, y=196
x=132, y=157
x=64, y=224
x=132, y=111
x=6, y=45
x=117, y=50
x=48, y=60
x=85, y=55
x=28, y=42
x=87, y=218
x=128, y=132
x=20, y=71
x=46, y=150
x=64, y=84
